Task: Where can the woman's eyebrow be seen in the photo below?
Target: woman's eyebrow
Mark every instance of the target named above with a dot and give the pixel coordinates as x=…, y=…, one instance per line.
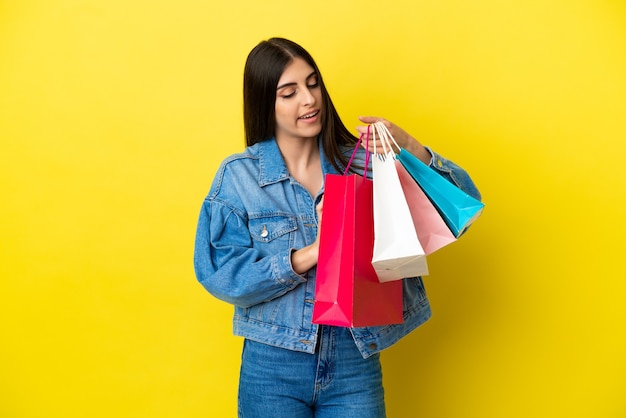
x=294, y=83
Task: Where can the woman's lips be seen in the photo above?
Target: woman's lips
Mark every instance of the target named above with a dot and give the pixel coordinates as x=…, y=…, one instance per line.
x=310, y=117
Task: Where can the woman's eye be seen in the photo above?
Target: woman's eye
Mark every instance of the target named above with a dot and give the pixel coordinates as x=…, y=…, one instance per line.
x=288, y=95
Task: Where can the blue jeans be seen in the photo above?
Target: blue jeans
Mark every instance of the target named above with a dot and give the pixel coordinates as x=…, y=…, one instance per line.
x=335, y=382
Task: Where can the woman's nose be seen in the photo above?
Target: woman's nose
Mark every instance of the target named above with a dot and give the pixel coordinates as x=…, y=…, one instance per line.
x=308, y=98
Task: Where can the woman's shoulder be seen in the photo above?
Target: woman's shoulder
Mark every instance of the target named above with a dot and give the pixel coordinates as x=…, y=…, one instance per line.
x=248, y=153
x=236, y=170
x=248, y=156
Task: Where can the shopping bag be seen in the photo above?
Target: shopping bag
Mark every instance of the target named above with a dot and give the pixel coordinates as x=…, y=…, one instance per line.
x=432, y=231
x=397, y=250
x=458, y=209
x=347, y=290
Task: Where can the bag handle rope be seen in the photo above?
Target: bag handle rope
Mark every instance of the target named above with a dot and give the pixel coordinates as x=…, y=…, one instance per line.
x=367, y=154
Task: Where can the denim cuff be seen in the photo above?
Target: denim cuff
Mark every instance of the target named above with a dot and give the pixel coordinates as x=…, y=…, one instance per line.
x=282, y=270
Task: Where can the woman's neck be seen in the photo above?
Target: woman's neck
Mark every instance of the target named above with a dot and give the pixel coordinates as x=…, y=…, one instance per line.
x=302, y=158
x=298, y=151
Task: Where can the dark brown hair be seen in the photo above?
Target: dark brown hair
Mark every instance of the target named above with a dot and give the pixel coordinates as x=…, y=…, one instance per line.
x=264, y=66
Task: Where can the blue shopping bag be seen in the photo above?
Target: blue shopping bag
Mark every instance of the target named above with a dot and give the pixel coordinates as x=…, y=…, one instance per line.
x=458, y=209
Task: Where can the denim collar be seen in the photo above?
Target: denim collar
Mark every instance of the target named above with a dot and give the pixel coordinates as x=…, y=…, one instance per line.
x=272, y=168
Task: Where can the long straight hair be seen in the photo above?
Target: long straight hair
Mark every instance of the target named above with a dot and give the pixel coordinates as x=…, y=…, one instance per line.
x=264, y=66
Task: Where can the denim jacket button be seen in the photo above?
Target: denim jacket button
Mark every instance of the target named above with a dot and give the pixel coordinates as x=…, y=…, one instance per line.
x=373, y=346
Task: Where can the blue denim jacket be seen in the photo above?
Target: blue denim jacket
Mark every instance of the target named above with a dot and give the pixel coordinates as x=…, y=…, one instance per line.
x=253, y=218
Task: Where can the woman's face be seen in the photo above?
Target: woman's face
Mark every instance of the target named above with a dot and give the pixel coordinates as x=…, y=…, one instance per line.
x=298, y=102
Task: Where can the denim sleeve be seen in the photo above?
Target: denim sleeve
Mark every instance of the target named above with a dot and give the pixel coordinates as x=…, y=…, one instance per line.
x=454, y=174
x=230, y=268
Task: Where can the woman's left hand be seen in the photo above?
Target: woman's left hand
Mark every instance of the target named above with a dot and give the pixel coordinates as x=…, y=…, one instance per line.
x=403, y=138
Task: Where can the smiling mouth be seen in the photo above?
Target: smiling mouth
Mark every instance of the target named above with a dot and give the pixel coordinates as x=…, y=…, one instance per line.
x=309, y=115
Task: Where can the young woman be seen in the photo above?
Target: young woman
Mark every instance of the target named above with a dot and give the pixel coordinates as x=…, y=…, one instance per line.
x=257, y=246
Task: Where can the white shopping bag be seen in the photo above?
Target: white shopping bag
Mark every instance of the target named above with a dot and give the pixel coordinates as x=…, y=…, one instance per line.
x=397, y=250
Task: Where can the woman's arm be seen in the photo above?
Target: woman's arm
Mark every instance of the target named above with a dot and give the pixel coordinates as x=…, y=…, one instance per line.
x=230, y=268
x=446, y=168
x=305, y=258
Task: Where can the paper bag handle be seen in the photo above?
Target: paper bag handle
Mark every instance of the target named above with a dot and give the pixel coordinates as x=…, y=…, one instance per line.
x=385, y=138
x=367, y=154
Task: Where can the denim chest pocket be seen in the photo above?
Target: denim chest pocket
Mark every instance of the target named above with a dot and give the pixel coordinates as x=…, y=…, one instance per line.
x=272, y=229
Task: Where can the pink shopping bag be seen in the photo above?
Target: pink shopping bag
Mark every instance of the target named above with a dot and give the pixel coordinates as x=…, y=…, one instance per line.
x=432, y=231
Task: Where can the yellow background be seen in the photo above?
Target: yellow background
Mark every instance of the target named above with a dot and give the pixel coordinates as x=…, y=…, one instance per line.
x=114, y=116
